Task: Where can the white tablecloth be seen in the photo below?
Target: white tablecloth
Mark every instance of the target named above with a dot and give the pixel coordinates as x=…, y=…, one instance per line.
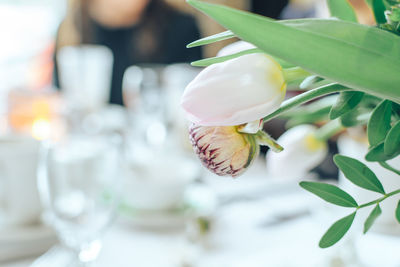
x=280, y=228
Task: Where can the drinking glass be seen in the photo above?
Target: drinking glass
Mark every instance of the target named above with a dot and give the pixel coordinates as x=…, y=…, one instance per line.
x=78, y=182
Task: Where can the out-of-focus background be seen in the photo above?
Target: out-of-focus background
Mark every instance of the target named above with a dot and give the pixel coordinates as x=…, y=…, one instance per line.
x=95, y=163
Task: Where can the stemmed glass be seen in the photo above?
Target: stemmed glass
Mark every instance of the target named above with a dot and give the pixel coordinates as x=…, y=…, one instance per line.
x=78, y=182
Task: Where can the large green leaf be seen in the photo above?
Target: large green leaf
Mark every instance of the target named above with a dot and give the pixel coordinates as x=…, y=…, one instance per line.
x=342, y=10
x=392, y=140
x=337, y=231
x=345, y=103
x=372, y=217
x=379, y=123
x=358, y=56
x=330, y=193
x=358, y=173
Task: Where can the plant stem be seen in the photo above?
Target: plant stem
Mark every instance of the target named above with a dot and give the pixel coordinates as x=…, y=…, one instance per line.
x=376, y=201
x=385, y=165
x=328, y=130
x=305, y=97
x=294, y=74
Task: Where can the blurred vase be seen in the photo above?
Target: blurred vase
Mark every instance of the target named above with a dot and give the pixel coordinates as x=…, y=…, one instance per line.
x=356, y=146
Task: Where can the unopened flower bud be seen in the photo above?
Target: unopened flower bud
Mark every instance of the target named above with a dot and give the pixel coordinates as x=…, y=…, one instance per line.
x=235, y=92
x=223, y=150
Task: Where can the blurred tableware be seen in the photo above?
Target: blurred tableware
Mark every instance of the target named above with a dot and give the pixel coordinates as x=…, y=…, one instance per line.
x=78, y=183
x=154, y=188
x=158, y=182
x=144, y=95
x=25, y=241
x=19, y=199
x=85, y=76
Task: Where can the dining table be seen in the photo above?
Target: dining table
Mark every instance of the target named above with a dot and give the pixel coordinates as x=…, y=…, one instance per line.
x=258, y=221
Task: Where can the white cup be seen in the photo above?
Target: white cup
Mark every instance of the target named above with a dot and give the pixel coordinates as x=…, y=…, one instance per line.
x=19, y=198
x=85, y=75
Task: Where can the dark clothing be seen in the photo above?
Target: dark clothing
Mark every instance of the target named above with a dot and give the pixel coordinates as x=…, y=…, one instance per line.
x=178, y=30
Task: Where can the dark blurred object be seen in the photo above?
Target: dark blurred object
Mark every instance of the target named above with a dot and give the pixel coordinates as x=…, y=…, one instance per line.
x=299, y=10
x=158, y=35
x=268, y=8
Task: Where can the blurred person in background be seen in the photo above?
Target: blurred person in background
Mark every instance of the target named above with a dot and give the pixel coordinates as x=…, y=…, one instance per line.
x=136, y=31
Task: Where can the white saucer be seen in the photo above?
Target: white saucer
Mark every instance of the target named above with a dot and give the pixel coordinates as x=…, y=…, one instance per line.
x=24, y=241
x=197, y=200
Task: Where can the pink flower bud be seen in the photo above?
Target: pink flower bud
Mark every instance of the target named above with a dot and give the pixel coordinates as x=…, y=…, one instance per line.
x=223, y=150
x=235, y=92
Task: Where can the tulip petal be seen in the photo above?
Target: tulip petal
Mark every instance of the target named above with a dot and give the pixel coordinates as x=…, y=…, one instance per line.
x=234, y=92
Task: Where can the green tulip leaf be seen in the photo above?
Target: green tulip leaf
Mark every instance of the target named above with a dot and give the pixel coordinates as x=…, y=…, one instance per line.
x=336, y=50
x=398, y=212
x=337, y=231
x=212, y=39
x=309, y=81
x=342, y=9
x=372, y=217
x=392, y=141
x=377, y=153
x=345, y=103
x=379, y=123
x=358, y=173
x=208, y=61
x=330, y=193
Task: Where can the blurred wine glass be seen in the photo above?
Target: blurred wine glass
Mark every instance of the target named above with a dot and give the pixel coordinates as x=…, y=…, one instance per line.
x=85, y=80
x=144, y=96
x=78, y=181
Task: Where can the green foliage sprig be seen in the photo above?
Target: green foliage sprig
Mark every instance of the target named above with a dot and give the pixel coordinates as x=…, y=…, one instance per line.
x=360, y=62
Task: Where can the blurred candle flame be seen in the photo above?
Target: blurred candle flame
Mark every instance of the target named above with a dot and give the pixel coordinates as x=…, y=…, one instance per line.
x=41, y=129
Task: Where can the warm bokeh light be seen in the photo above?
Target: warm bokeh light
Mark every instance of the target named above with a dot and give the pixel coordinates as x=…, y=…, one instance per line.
x=41, y=129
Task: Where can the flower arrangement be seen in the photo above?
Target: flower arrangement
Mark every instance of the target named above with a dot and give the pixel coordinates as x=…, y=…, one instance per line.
x=350, y=71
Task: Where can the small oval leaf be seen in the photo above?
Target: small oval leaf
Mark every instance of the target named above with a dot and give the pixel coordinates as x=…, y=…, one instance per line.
x=379, y=123
x=346, y=102
x=398, y=212
x=377, y=153
x=330, y=193
x=392, y=141
x=342, y=9
x=358, y=173
x=337, y=231
x=379, y=11
x=372, y=217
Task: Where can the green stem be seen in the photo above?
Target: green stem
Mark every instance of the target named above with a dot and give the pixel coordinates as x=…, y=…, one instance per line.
x=328, y=130
x=264, y=139
x=305, y=97
x=390, y=168
x=376, y=201
x=294, y=74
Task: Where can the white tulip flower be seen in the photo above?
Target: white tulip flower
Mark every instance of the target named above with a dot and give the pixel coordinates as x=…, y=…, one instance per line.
x=235, y=92
x=302, y=152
